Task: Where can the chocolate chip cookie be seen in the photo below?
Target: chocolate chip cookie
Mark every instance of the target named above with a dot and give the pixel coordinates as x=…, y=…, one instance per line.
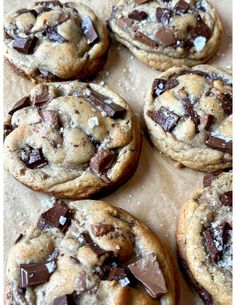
x=188, y=112
x=88, y=252
x=204, y=238
x=55, y=41
x=71, y=140
x=167, y=33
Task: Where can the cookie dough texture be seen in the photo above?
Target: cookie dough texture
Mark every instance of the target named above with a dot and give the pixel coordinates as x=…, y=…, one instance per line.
x=61, y=50
x=204, y=210
x=197, y=105
x=128, y=241
x=67, y=146
x=173, y=32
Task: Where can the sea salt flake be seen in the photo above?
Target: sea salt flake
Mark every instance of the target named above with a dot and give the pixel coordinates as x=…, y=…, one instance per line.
x=51, y=266
x=92, y=122
x=62, y=220
x=200, y=43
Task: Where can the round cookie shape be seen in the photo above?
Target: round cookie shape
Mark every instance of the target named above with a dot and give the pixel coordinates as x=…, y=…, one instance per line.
x=163, y=33
x=88, y=252
x=188, y=113
x=55, y=41
x=204, y=239
x=71, y=139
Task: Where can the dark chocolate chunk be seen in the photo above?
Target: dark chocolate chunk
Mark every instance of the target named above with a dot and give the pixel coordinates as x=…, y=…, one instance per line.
x=34, y=158
x=102, y=229
x=59, y=216
x=223, y=234
x=118, y=274
x=227, y=198
x=206, y=121
x=138, y=15
x=226, y=101
x=210, y=245
x=102, y=161
x=22, y=103
x=52, y=35
x=112, y=110
x=26, y=11
x=201, y=29
x=144, y=39
x=7, y=129
x=49, y=3
x=89, y=31
x=160, y=85
x=19, y=238
x=87, y=240
x=148, y=272
x=220, y=144
x=25, y=45
x=163, y=15
x=165, y=118
x=41, y=98
x=50, y=117
x=207, y=179
x=165, y=36
x=67, y=299
x=182, y=6
x=33, y=274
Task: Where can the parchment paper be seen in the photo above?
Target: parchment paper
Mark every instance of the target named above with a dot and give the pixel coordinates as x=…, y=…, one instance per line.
x=158, y=188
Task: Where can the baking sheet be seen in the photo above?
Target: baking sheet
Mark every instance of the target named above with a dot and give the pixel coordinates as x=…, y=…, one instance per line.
x=158, y=188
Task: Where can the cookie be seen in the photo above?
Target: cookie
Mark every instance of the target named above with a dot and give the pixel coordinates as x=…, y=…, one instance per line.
x=88, y=252
x=164, y=33
x=71, y=140
x=204, y=238
x=188, y=113
x=55, y=41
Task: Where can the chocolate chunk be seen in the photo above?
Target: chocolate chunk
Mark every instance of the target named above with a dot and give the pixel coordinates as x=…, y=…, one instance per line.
x=52, y=35
x=34, y=158
x=165, y=118
x=62, y=18
x=138, y=15
x=220, y=144
x=226, y=101
x=87, y=240
x=163, y=15
x=201, y=29
x=144, y=39
x=210, y=245
x=118, y=274
x=33, y=274
x=89, y=31
x=141, y=1
x=160, y=85
x=123, y=23
x=59, y=216
x=206, y=121
x=49, y=3
x=112, y=110
x=207, y=179
x=25, y=45
x=26, y=11
x=182, y=6
x=19, y=238
x=102, y=229
x=227, y=198
x=148, y=272
x=223, y=234
x=67, y=299
x=102, y=161
x=41, y=98
x=22, y=103
x=50, y=117
x=165, y=36
x=7, y=129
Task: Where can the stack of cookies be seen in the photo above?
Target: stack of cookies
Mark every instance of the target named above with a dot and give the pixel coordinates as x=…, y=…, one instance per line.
x=75, y=140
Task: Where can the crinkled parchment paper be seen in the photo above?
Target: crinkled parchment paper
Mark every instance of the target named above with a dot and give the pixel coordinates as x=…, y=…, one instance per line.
x=158, y=188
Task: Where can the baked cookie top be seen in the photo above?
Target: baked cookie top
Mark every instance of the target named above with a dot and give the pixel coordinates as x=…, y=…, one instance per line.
x=55, y=40
x=71, y=139
x=204, y=237
x=188, y=112
x=88, y=252
x=167, y=32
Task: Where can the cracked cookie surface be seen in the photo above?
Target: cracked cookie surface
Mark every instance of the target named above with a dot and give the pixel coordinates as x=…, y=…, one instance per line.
x=204, y=239
x=55, y=41
x=89, y=252
x=163, y=33
x=71, y=140
x=188, y=113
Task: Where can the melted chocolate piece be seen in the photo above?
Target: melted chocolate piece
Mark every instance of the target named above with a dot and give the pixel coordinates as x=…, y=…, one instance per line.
x=33, y=274
x=138, y=15
x=67, y=299
x=49, y=3
x=118, y=274
x=226, y=101
x=123, y=22
x=220, y=144
x=59, y=216
x=148, y=272
x=112, y=110
x=163, y=15
x=223, y=235
x=25, y=45
x=227, y=198
x=144, y=39
x=210, y=245
x=50, y=117
x=22, y=103
x=89, y=31
x=207, y=179
x=19, y=238
x=182, y=6
x=165, y=118
x=62, y=18
x=102, y=229
x=207, y=121
x=165, y=36
x=41, y=98
x=201, y=29
x=34, y=158
x=160, y=85
x=87, y=240
x=102, y=161
x=52, y=35
x=7, y=129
